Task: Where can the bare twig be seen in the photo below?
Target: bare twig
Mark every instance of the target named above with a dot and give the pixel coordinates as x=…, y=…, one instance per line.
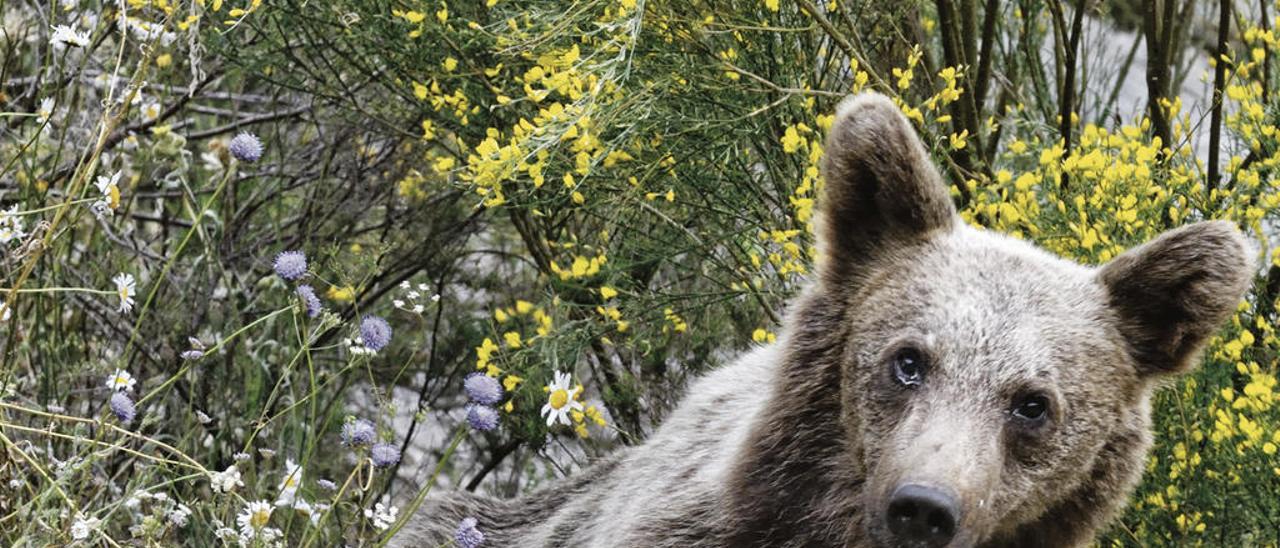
x=1219, y=83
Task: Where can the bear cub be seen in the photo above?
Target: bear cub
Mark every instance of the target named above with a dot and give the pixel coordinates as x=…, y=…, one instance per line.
x=936, y=385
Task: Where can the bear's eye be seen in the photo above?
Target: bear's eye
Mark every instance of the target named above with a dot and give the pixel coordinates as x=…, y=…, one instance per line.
x=909, y=367
x=1032, y=408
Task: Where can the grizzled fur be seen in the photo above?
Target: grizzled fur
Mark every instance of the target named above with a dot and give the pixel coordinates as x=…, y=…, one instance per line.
x=801, y=443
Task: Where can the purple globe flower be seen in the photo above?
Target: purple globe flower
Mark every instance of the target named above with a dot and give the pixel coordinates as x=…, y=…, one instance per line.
x=468, y=536
x=482, y=417
x=358, y=433
x=375, y=333
x=291, y=265
x=246, y=147
x=384, y=454
x=483, y=389
x=309, y=299
x=123, y=407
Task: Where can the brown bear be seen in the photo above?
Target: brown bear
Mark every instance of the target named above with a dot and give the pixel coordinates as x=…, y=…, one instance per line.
x=935, y=385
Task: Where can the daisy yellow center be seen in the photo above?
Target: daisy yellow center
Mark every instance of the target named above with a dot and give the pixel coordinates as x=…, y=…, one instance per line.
x=291, y=482
x=113, y=193
x=559, y=398
x=259, y=518
x=124, y=292
x=121, y=381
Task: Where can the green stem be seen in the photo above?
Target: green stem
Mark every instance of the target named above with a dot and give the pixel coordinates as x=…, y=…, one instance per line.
x=422, y=495
x=59, y=289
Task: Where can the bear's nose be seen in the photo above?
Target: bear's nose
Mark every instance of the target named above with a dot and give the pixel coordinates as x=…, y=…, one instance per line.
x=922, y=516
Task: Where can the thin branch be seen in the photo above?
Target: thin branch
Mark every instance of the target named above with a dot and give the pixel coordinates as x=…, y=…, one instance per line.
x=1219, y=83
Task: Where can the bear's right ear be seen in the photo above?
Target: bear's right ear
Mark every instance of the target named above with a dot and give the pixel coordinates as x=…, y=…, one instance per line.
x=882, y=191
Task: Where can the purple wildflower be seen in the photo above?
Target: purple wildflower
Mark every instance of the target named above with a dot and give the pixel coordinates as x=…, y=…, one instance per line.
x=309, y=299
x=483, y=389
x=375, y=333
x=468, y=536
x=358, y=433
x=291, y=265
x=384, y=454
x=123, y=407
x=482, y=417
x=246, y=147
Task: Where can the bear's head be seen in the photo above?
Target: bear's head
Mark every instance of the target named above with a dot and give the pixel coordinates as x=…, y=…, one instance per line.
x=992, y=393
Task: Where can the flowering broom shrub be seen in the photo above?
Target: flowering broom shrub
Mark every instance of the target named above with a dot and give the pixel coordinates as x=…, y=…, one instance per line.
x=272, y=271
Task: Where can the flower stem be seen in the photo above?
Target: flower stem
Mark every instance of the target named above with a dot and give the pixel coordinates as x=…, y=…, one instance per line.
x=422, y=495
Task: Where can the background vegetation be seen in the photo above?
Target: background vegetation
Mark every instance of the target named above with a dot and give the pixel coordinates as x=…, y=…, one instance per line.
x=620, y=190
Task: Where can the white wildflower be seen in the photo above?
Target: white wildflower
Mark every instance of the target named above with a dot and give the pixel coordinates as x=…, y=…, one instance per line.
x=66, y=35
x=253, y=524
x=125, y=288
x=226, y=480
x=45, y=110
x=383, y=516
x=562, y=397
x=255, y=516
x=151, y=110
x=121, y=380
x=415, y=300
x=289, y=484
x=110, y=189
x=84, y=527
x=11, y=226
x=179, y=515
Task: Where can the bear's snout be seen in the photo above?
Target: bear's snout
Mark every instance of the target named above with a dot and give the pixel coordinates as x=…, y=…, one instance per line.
x=922, y=516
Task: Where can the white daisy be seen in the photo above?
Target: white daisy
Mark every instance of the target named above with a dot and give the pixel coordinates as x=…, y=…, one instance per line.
x=562, y=398
x=227, y=480
x=110, y=189
x=45, y=110
x=125, y=288
x=64, y=34
x=151, y=110
x=254, y=517
x=121, y=380
x=289, y=485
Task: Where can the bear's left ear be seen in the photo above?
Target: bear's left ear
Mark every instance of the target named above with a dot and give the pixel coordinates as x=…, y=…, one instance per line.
x=1172, y=293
